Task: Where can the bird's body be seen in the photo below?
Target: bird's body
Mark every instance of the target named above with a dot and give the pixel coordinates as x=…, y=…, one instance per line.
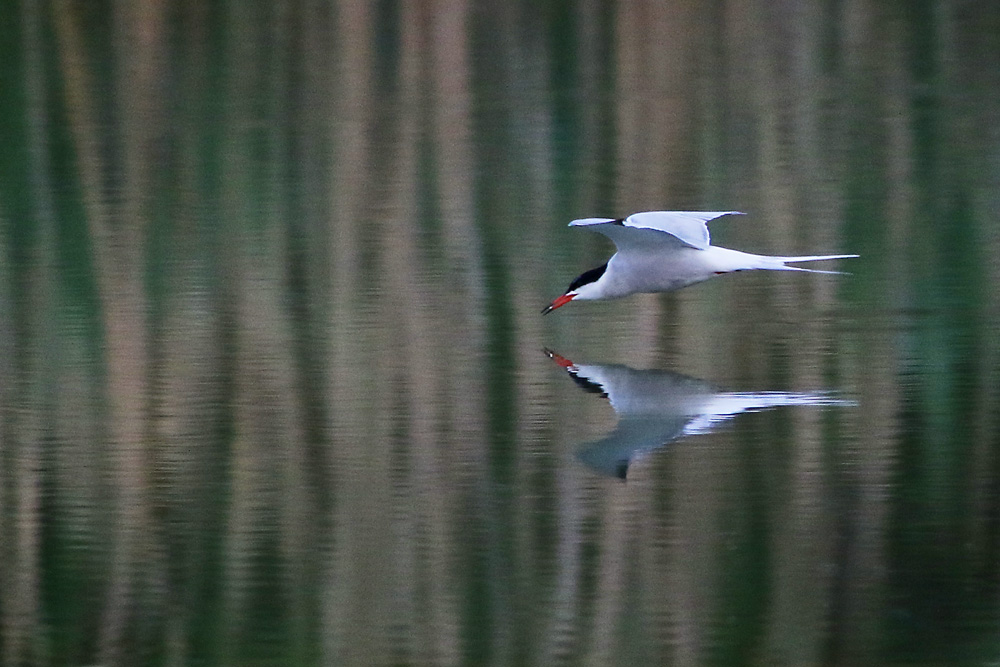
x=662, y=251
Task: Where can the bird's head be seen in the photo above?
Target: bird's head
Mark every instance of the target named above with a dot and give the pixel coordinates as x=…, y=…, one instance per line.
x=583, y=286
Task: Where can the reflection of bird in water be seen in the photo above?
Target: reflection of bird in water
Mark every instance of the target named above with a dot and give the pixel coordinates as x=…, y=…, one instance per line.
x=661, y=251
x=657, y=407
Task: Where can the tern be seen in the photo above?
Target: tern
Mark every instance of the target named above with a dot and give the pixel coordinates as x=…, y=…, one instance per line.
x=657, y=407
x=662, y=251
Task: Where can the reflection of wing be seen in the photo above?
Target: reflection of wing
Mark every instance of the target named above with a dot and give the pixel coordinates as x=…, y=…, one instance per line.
x=653, y=407
x=688, y=408
x=656, y=228
x=631, y=438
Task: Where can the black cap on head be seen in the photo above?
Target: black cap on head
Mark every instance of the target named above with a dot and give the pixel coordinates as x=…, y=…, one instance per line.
x=588, y=277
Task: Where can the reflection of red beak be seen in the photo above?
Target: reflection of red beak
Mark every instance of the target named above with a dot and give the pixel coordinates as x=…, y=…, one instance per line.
x=559, y=359
x=561, y=301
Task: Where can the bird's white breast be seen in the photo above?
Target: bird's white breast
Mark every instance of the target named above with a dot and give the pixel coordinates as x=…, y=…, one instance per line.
x=657, y=271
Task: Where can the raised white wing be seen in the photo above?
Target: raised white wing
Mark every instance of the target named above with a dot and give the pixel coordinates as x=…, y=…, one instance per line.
x=675, y=228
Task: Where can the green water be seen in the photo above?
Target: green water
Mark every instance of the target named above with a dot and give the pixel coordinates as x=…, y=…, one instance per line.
x=272, y=380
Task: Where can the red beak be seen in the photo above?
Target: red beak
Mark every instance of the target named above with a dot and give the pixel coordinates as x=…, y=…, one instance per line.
x=561, y=301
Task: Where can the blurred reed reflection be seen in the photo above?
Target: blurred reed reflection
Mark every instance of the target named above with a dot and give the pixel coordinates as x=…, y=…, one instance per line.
x=270, y=389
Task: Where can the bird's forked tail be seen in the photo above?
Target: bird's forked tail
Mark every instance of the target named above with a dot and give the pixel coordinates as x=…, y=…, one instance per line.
x=780, y=263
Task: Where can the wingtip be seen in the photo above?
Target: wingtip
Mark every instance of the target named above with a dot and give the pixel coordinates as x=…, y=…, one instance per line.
x=579, y=222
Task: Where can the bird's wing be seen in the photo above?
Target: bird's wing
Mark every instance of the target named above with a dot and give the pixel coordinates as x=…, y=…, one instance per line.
x=673, y=228
x=631, y=438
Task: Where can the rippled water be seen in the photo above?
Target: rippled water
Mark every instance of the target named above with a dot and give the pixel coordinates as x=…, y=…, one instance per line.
x=274, y=386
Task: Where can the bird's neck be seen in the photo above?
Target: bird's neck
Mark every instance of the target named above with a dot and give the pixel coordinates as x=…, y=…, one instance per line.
x=608, y=286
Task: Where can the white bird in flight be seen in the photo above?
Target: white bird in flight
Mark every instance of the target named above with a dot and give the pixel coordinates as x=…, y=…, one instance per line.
x=662, y=251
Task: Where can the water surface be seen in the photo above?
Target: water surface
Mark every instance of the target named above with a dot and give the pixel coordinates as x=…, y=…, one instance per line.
x=275, y=387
